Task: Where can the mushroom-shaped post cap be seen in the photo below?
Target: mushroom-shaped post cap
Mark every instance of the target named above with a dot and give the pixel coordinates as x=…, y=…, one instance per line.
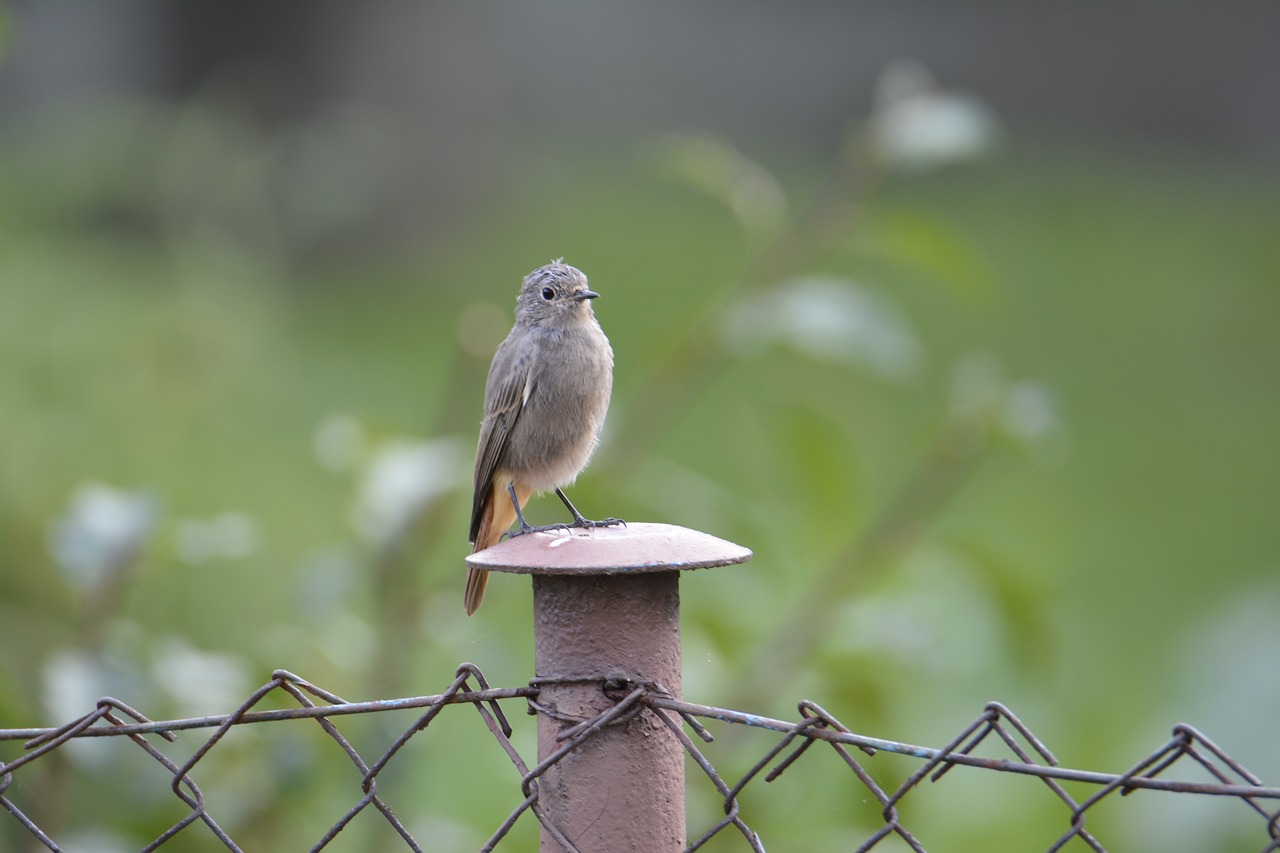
x=619, y=549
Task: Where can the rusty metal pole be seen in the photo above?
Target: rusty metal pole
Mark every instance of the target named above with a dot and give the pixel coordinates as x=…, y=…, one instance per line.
x=607, y=609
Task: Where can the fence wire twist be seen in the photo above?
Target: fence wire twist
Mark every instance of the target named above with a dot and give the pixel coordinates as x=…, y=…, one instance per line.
x=113, y=718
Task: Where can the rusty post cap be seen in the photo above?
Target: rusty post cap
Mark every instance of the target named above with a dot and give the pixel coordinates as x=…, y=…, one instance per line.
x=639, y=547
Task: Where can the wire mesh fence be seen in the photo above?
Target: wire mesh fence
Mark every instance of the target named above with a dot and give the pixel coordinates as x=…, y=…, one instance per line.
x=1024, y=755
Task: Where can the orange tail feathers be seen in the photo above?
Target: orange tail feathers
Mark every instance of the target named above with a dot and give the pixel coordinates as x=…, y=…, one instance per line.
x=498, y=514
x=477, y=580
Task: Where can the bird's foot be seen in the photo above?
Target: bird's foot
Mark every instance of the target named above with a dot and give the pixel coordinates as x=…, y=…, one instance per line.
x=591, y=525
x=583, y=523
x=540, y=528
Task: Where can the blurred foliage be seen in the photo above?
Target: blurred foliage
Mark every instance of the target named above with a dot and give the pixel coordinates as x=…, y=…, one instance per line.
x=994, y=430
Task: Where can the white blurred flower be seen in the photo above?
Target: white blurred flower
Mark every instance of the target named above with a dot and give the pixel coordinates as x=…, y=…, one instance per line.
x=74, y=681
x=1031, y=417
x=1024, y=412
x=400, y=481
x=916, y=126
x=1226, y=687
x=199, y=682
x=830, y=319
x=338, y=442
x=715, y=167
x=102, y=532
x=228, y=536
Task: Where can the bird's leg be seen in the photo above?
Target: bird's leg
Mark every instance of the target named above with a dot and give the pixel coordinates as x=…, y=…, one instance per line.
x=526, y=527
x=581, y=521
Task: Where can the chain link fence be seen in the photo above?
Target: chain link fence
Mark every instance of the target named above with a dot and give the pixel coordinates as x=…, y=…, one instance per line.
x=1160, y=771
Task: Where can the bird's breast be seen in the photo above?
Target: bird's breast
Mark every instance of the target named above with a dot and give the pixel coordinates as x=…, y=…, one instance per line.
x=560, y=423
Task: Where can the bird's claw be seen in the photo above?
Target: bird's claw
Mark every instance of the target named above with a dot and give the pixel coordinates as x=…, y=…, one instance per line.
x=604, y=522
x=584, y=523
x=529, y=528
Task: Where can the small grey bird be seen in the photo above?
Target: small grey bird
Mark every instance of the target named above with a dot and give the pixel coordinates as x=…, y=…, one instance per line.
x=544, y=403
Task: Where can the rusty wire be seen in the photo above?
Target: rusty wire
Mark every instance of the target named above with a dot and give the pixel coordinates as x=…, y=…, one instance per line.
x=815, y=727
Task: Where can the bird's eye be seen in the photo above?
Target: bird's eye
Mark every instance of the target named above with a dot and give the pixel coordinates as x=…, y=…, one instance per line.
x=548, y=294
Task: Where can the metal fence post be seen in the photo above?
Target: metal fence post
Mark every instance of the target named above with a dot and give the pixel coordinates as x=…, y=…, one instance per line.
x=607, y=618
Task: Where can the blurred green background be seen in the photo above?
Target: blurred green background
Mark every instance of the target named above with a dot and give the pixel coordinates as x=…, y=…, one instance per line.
x=963, y=318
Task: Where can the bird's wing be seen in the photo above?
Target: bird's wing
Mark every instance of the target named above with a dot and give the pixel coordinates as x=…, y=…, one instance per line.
x=508, y=389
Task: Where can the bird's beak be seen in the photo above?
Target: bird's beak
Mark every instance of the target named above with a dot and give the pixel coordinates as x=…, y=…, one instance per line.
x=586, y=294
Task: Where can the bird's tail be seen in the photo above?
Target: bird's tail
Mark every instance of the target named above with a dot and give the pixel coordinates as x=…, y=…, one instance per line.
x=477, y=580
x=496, y=518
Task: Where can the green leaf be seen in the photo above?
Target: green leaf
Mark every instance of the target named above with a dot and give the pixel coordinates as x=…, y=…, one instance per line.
x=929, y=246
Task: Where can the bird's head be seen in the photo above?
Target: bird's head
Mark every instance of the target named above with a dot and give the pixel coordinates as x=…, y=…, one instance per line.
x=555, y=295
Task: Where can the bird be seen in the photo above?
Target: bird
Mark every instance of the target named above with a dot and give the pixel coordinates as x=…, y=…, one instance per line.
x=545, y=402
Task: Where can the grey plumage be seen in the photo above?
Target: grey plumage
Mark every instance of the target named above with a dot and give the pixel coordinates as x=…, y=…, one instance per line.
x=545, y=401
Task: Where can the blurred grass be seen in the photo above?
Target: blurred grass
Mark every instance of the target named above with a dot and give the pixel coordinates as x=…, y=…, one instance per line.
x=152, y=338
